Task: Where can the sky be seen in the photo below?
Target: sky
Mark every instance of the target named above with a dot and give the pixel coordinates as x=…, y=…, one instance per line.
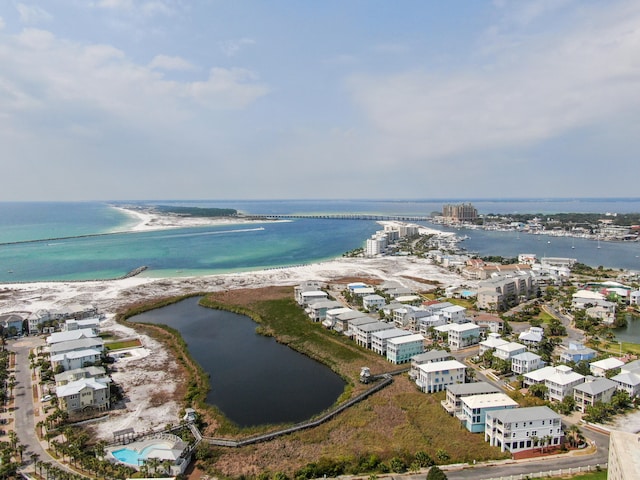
x=282, y=99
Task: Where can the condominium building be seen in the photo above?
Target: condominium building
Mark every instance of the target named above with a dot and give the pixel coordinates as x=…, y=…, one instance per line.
x=522, y=429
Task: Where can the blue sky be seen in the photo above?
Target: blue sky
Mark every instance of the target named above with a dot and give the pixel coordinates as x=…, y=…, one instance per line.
x=206, y=99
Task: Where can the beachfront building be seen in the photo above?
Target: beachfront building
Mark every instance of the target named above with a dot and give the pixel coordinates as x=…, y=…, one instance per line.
x=372, y=303
x=312, y=296
x=401, y=349
x=520, y=429
x=59, y=315
x=593, y=390
x=460, y=212
x=427, y=357
x=526, y=362
x=317, y=311
x=379, y=339
x=500, y=293
x=95, y=343
x=97, y=373
x=476, y=407
x=629, y=378
x=463, y=335
x=455, y=393
x=492, y=341
x=12, y=323
x=577, y=352
x=83, y=394
x=624, y=456
x=561, y=383
x=509, y=350
x=602, y=367
x=434, y=377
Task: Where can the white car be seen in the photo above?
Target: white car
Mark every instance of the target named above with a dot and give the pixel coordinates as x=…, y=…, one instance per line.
x=46, y=398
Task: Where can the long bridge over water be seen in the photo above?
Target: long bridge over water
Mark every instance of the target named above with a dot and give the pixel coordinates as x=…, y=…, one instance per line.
x=346, y=216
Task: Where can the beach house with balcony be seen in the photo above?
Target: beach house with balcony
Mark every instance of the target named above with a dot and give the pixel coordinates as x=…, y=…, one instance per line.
x=593, y=390
x=427, y=357
x=436, y=376
x=379, y=339
x=601, y=367
x=526, y=362
x=509, y=350
x=401, y=349
x=521, y=429
x=317, y=311
x=531, y=337
x=372, y=303
x=463, y=335
x=561, y=383
x=362, y=333
x=455, y=393
x=83, y=394
x=577, y=352
x=492, y=341
x=475, y=408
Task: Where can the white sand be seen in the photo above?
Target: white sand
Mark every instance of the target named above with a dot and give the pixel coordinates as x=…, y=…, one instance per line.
x=143, y=374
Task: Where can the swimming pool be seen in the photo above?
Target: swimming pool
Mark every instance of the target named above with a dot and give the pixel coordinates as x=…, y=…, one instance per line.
x=131, y=456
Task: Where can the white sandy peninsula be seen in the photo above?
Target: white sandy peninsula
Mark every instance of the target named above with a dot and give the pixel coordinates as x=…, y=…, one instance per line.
x=143, y=374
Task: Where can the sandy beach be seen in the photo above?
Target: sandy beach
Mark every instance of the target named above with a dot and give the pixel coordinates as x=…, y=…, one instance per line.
x=146, y=369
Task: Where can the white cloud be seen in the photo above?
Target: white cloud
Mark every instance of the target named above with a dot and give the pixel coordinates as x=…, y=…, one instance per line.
x=165, y=62
x=146, y=8
x=2, y=24
x=231, y=48
x=228, y=88
x=31, y=14
x=535, y=91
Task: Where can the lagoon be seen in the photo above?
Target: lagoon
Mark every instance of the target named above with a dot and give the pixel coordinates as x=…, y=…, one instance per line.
x=254, y=380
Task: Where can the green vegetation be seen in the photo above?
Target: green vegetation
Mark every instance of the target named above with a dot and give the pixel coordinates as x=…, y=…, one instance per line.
x=197, y=211
x=600, y=475
x=124, y=344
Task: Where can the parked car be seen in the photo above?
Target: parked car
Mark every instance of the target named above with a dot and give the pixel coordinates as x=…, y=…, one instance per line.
x=46, y=398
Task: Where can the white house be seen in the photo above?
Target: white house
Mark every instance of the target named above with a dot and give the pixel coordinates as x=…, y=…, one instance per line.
x=362, y=333
x=308, y=286
x=604, y=311
x=95, y=343
x=562, y=382
x=332, y=314
x=601, y=367
x=455, y=393
x=372, y=303
x=427, y=357
x=491, y=343
x=379, y=339
x=454, y=314
x=522, y=429
x=97, y=373
x=434, y=377
x=526, y=362
x=311, y=296
x=75, y=359
x=508, y=351
x=425, y=324
x=67, y=336
x=592, y=391
x=634, y=298
x=475, y=408
x=341, y=323
x=92, y=323
x=583, y=298
x=462, y=335
x=401, y=349
x=538, y=376
x=532, y=336
x=629, y=378
x=317, y=310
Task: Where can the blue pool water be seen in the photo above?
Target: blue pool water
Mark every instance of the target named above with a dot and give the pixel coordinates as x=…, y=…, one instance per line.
x=125, y=455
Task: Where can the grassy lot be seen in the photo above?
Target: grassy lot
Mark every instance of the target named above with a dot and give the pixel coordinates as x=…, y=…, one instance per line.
x=614, y=347
x=602, y=475
x=125, y=344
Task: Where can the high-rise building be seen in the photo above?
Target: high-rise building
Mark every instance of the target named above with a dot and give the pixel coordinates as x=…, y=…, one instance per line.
x=462, y=212
x=624, y=455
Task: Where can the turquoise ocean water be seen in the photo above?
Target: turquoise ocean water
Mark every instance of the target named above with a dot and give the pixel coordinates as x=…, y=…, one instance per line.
x=36, y=241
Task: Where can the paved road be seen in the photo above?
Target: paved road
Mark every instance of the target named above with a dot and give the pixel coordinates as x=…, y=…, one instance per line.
x=24, y=404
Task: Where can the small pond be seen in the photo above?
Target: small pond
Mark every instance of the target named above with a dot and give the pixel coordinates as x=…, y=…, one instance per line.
x=254, y=380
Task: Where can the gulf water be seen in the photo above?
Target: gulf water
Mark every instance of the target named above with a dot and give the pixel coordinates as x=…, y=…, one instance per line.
x=52, y=242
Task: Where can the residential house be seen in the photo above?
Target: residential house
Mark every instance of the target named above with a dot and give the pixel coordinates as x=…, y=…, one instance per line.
x=76, y=358
x=577, y=352
x=59, y=337
x=508, y=351
x=83, y=394
x=97, y=373
x=526, y=362
x=311, y=296
x=379, y=339
x=531, y=337
x=434, y=377
x=456, y=392
x=332, y=314
x=342, y=320
x=634, y=297
x=92, y=323
x=362, y=333
x=601, y=367
x=491, y=343
x=521, y=429
x=308, y=286
x=463, y=335
x=426, y=324
x=95, y=343
x=12, y=323
x=488, y=323
x=629, y=378
x=475, y=408
x=593, y=390
x=604, y=311
x=454, y=314
x=586, y=298
x=372, y=303
x=427, y=357
x=401, y=349
x=562, y=382
x=317, y=311
x=538, y=376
